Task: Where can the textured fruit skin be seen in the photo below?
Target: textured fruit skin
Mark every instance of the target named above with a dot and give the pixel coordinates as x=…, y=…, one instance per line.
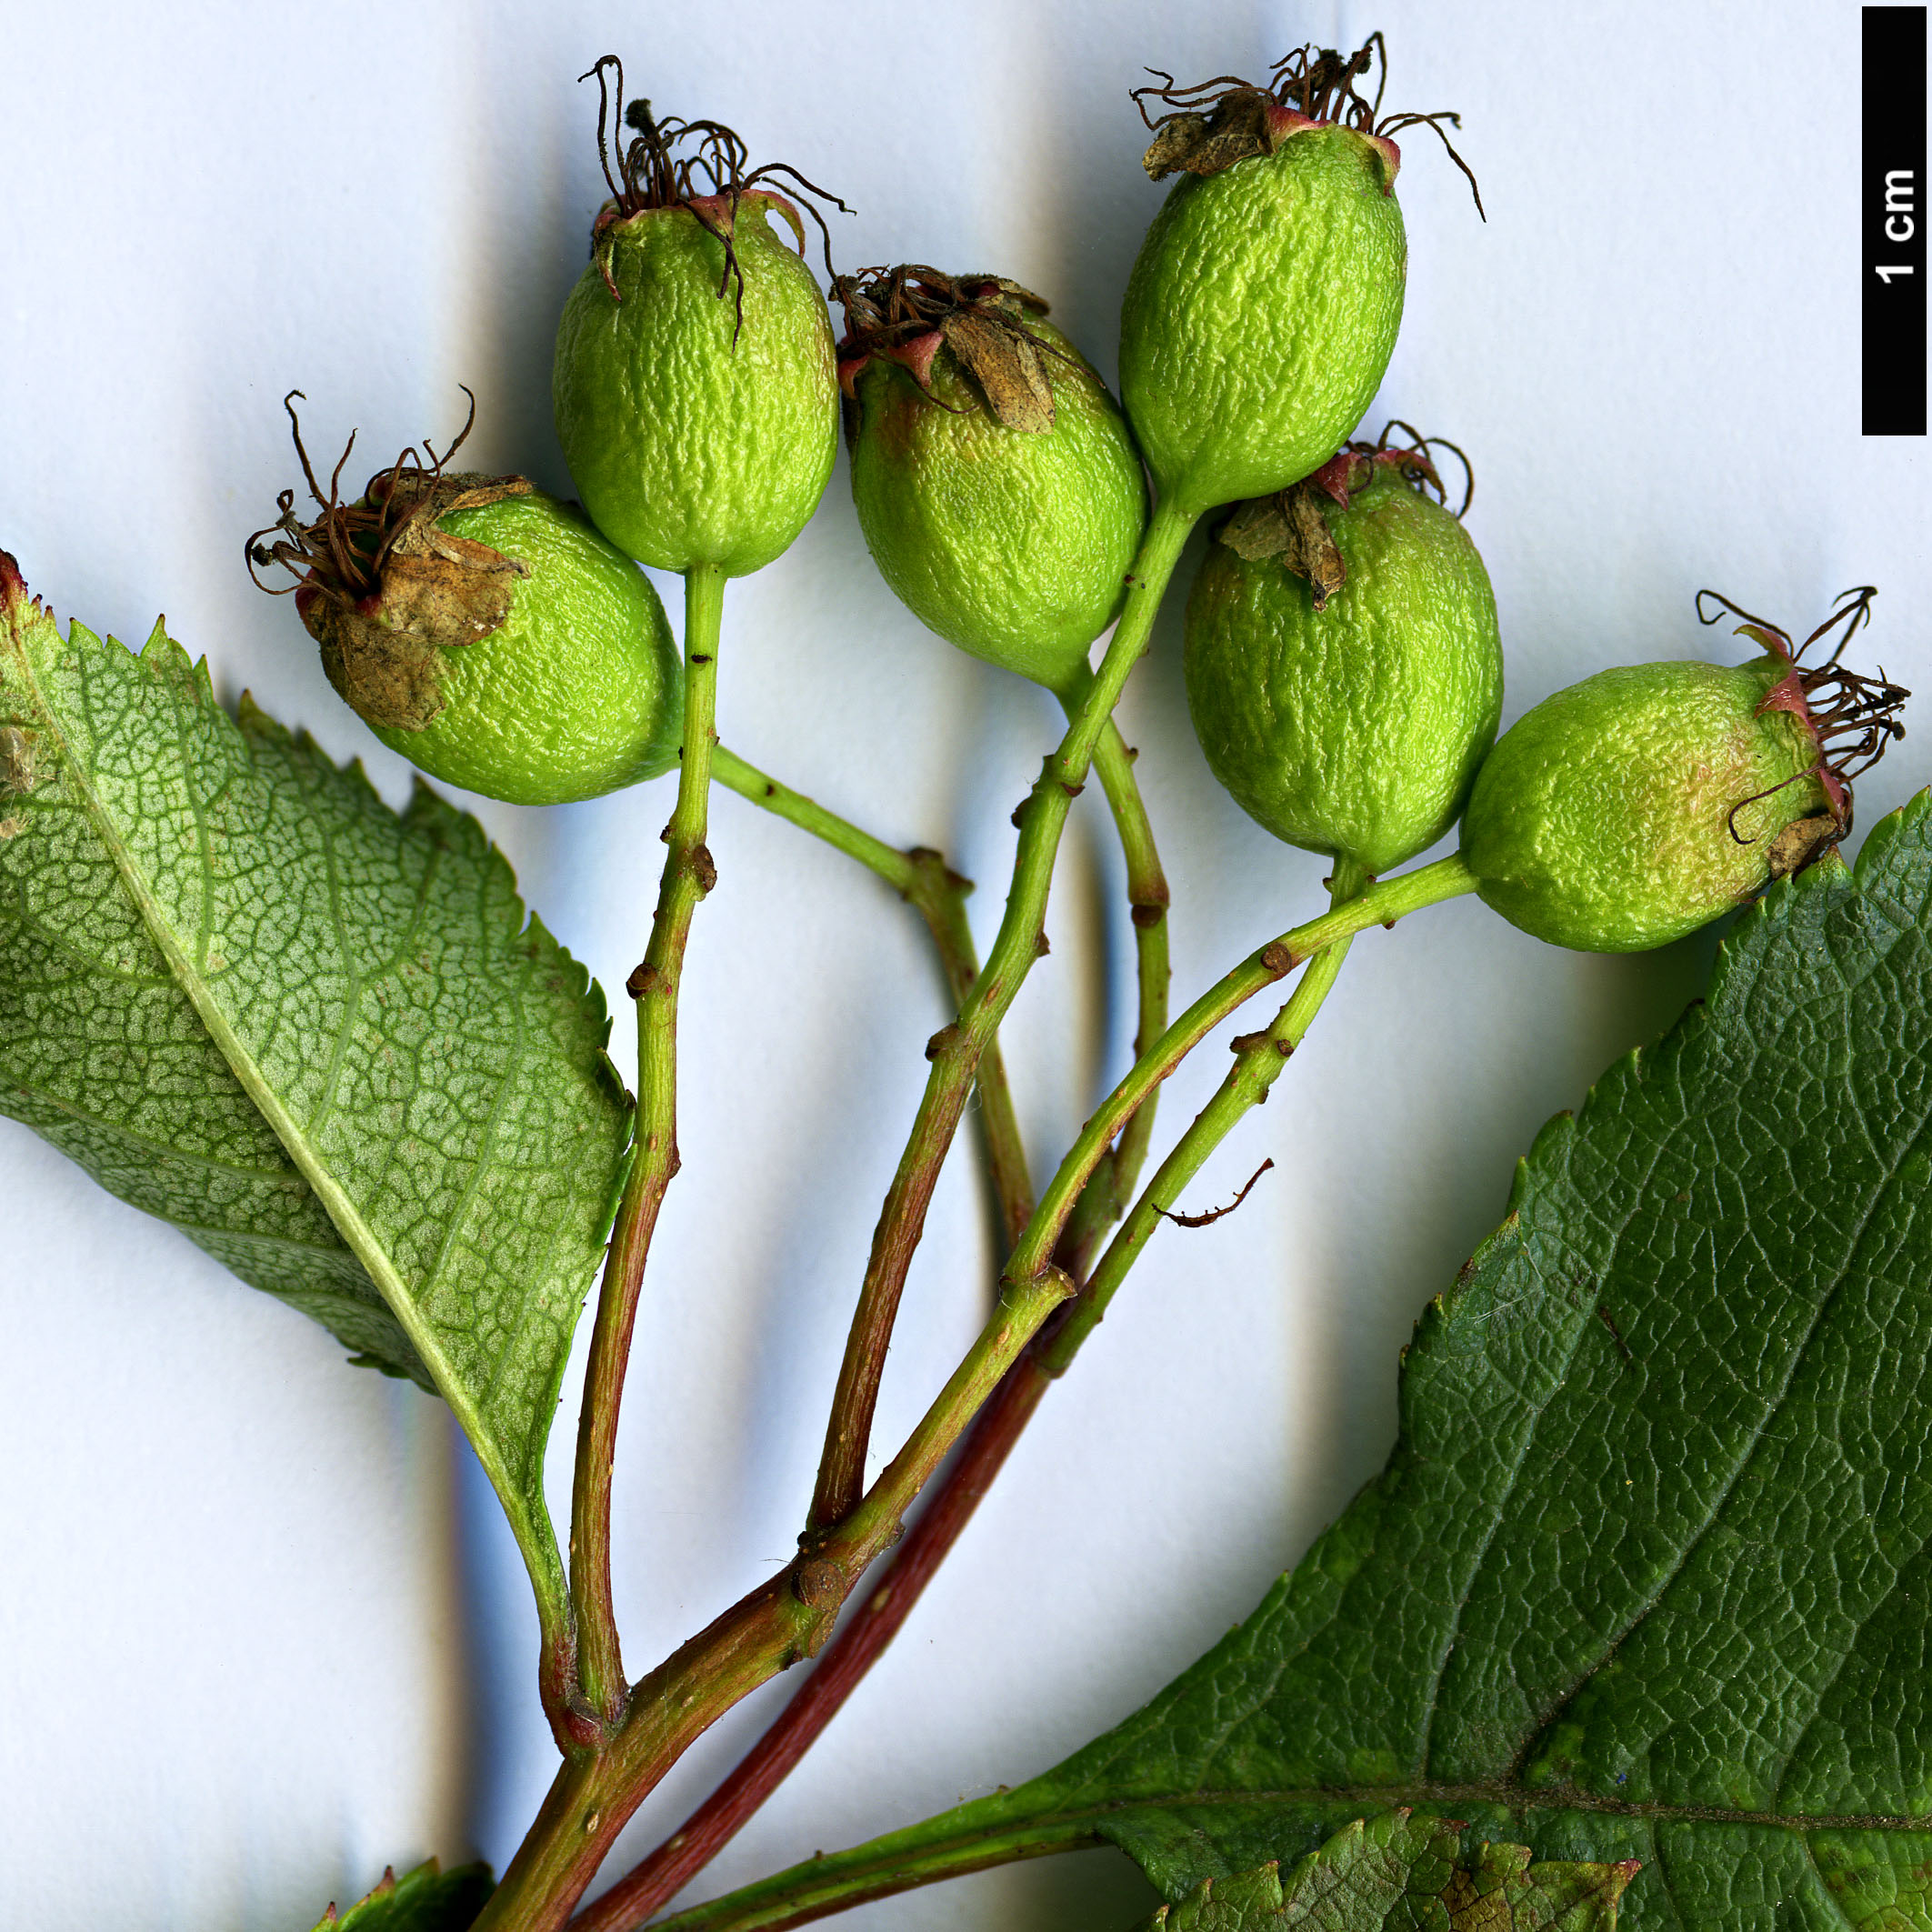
x=1260, y=317
x=1013, y=545
x=579, y=694
x=1599, y=822
x=685, y=447
x=1356, y=730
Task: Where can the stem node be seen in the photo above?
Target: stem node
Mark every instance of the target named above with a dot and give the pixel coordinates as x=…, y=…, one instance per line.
x=818, y=1581
x=1049, y=1288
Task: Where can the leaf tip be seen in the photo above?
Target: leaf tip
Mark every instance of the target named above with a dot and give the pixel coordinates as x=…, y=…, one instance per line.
x=1879, y=840
x=18, y=607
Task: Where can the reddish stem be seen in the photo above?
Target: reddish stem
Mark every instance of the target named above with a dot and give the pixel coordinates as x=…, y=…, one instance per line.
x=644, y=1891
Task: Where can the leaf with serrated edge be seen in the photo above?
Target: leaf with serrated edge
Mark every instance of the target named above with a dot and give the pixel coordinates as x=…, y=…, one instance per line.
x=102, y=1055
x=428, y=1899
x=432, y=1064
x=1649, y=1573
x=1398, y=1873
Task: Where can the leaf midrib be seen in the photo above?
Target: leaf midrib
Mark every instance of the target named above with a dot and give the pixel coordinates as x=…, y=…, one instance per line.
x=1507, y=1796
x=904, y=1859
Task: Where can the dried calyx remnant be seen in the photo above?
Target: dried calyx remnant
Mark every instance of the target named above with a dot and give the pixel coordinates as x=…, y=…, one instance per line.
x=908, y=314
x=1214, y=123
x=381, y=588
x=709, y=177
x=1293, y=525
x=1851, y=717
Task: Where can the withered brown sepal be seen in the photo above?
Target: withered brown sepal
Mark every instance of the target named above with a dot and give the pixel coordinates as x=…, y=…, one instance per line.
x=1290, y=525
x=1850, y=716
x=1805, y=841
x=382, y=588
x=908, y=314
x=1244, y=124
x=701, y=165
x=1213, y=125
x=1293, y=524
x=439, y=592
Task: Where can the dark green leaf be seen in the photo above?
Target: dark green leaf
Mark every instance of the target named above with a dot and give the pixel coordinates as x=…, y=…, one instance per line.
x=1649, y=1573
x=319, y=1036
x=1400, y=1873
x=428, y=1899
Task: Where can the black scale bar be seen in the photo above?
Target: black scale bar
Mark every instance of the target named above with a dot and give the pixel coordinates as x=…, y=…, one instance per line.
x=1892, y=221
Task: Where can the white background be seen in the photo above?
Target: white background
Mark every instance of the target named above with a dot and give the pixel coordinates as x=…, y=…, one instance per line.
x=260, y=1630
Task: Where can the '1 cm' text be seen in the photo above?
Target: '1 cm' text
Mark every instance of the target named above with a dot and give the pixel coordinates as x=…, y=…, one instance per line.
x=1898, y=223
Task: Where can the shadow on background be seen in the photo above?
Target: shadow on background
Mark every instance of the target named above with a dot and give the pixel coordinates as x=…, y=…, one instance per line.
x=1077, y=244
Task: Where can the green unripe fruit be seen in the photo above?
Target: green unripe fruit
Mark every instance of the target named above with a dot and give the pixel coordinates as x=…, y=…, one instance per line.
x=579, y=694
x=1263, y=306
x=485, y=631
x=1346, y=708
x=1638, y=806
x=994, y=476
x=693, y=385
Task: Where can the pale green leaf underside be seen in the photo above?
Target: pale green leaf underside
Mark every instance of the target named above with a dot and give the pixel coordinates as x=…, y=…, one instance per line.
x=397, y=1112
x=102, y=1054
x=1400, y=1873
x=428, y=1899
x=1649, y=1573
